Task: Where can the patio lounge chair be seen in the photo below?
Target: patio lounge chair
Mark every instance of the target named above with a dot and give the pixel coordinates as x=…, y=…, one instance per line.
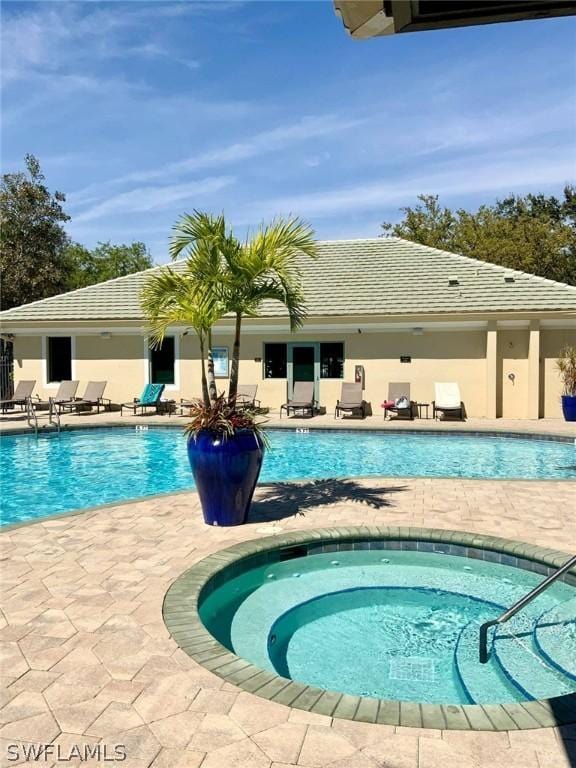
x=448, y=401
x=350, y=399
x=21, y=394
x=302, y=399
x=246, y=396
x=93, y=396
x=149, y=398
x=66, y=393
x=396, y=391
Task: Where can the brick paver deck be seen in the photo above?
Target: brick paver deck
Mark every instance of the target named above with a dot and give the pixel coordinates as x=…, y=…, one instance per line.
x=87, y=658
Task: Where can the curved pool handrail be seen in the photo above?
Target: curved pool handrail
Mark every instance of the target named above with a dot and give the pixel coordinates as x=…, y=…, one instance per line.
x=52, y=415
x=483, y=640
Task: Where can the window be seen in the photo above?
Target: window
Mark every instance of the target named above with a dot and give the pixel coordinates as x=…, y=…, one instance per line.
x=59, y=362
x=162, y=361
x=274, y=361
x=220, y=358
x=332, y=360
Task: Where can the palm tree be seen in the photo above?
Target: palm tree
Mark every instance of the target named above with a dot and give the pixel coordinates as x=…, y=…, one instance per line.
x=236, y=277
x=172, y=298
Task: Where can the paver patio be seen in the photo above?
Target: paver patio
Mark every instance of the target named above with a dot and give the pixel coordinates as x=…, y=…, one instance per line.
x=87, y=658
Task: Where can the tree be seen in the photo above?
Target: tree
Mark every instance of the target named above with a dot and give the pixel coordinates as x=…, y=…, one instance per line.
x=32, y=238
x=534, y=233
x=105, y=262
x=37, y=259
x=427, y=223
x=171, y=298
x=224, y=275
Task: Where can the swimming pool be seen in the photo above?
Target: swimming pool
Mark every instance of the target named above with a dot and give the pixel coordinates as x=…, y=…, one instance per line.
x=88, y=467
x=359, y=618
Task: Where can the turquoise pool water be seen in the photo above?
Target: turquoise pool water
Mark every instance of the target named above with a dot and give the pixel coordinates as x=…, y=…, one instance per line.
x=399, y=625
x=85, y=468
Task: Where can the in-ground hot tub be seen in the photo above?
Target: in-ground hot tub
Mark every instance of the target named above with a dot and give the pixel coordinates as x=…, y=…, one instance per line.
x=383, y=625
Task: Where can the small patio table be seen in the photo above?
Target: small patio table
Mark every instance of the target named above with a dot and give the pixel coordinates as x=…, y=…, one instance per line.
x=164, y=407
x=421, y=406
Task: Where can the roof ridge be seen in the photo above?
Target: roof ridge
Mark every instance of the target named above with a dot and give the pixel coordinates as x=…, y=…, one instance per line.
x=490, y=264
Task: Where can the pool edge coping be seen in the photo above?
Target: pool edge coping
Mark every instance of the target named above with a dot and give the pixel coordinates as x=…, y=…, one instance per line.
x=181, y=617
x=460, y=429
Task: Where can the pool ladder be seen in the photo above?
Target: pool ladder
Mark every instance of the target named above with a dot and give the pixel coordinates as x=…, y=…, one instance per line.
x=33, y=416
x=483, y=645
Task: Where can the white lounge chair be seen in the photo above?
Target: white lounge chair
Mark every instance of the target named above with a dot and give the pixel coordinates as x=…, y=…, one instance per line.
x=448, y=400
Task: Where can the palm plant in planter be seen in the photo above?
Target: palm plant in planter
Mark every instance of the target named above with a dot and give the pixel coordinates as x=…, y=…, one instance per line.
x=566, y=365
x=224, y=276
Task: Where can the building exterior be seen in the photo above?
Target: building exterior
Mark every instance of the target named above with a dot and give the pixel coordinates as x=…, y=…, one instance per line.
x=385, y=309
x=371, y=18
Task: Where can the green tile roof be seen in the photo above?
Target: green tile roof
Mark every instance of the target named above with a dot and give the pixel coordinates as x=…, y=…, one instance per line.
x=381, y=276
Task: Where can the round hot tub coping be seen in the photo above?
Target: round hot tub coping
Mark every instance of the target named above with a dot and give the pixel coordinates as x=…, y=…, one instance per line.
x=180, y=612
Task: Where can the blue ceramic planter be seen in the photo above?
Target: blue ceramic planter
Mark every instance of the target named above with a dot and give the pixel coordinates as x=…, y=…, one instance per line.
x=226, y=473
x=569, y=407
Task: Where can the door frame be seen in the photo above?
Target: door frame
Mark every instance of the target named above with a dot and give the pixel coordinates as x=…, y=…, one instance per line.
x=315, y=345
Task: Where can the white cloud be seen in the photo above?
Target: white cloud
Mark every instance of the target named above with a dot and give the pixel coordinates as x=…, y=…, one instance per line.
x=54, y=36
x=102, y=81
x=462, y=130
x=467, y=179
x=145, y=199
x=265, y=142
x=315, y=160
x=258, y=144
x=61, y=89
x=151, y=51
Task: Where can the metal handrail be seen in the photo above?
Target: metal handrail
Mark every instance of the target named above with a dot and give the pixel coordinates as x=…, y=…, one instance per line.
x=32, y=417
x=519, y=605
x=54, y=417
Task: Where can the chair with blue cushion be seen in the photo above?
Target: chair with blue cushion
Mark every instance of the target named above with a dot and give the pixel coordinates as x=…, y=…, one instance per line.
x=149, y=398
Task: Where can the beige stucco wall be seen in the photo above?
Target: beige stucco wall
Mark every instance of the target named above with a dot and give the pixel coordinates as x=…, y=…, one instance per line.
x=190, y=370
x=436, y=355
x=28, y=361
x=119, y=360
x=552, y=341
x=271, y=392
x=122, y=360
x=512, y=393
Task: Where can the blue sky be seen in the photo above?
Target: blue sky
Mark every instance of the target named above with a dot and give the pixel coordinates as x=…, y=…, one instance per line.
x=140, y=111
